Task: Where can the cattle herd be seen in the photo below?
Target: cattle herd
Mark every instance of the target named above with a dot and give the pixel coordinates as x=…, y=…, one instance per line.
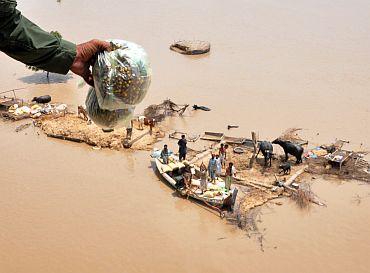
x=290, y=148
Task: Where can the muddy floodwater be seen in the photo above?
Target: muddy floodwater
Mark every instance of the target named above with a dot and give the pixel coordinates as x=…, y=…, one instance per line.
x=65, y=208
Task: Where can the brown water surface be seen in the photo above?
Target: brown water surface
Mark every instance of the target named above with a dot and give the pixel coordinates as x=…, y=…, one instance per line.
x=273, y=64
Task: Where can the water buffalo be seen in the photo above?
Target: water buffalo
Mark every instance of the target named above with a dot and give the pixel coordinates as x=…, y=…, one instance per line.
x=266, y=149
x=290, y=148
x=42, y=99
x=285, y=168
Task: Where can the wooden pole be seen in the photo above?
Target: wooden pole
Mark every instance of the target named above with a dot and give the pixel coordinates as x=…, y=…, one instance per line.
x=127, y=143
x=65, y=138
x=254, y=140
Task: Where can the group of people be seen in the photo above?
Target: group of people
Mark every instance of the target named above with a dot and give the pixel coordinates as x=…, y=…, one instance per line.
x=165, y=153
x=215, y=164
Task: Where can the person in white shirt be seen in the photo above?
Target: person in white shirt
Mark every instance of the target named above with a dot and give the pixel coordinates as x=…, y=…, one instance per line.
x=218, y=166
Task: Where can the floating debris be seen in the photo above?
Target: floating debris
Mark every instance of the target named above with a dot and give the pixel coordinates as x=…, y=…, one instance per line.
x=200, y=107
x=191, y=47
x=22, y=127
x=166, y=109
x=353, y=167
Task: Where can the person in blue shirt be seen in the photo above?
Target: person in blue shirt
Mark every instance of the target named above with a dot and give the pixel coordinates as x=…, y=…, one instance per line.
x=165, y=154
x=212, y=167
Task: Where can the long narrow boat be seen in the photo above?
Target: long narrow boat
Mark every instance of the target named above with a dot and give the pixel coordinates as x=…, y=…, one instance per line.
x=216, y=196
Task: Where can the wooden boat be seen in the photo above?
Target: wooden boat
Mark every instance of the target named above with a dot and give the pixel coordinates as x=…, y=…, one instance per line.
x=234, y=140
x=212, y=136
x=215, y=197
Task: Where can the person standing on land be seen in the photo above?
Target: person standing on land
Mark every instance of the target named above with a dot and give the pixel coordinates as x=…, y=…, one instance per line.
x=182, y=148
x=203, y=177
x=24, y=41
x=218, y=166
x=230, y=174
x=222, y=154
x=225, y=152
x=212, y=168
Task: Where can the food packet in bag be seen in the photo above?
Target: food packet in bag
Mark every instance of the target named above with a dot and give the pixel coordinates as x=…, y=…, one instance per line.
x=107, y=119
x=121, y=76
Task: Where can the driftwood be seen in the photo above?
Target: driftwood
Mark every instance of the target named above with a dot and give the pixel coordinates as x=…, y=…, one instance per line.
x=167, y=108
x=259, y=187
x=65, y=138
x=252, y=183
x=295, y=176
x=291, y=135
x=262, y=185
x=127, y=143
x=287, y=186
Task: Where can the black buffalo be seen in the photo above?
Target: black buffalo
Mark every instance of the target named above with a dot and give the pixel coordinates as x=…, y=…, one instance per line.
x=42, y=99
x=285, y=168
x=266, y=149
x=290, y=148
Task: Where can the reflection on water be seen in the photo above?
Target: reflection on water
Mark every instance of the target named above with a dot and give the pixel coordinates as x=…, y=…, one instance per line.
x=42, y=78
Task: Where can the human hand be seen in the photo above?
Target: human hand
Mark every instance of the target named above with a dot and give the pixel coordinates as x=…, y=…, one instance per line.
x=85, y=58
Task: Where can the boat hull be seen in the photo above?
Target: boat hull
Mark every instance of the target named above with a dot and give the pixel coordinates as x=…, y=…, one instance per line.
x=227, y=202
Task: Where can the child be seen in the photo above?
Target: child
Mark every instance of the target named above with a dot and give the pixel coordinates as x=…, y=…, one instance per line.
x=230, y=174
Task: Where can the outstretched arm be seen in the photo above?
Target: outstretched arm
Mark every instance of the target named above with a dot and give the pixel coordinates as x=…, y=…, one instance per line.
x=26, y=42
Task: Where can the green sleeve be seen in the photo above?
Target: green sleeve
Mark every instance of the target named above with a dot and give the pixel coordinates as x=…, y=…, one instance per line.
x=24, y=41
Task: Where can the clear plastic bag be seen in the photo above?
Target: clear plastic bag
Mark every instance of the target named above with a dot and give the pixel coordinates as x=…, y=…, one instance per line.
x=121, y=76
x=105, y=118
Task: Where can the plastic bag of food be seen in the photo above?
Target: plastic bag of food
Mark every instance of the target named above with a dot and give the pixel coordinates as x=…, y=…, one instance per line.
x=121, y=76
x=105, y=118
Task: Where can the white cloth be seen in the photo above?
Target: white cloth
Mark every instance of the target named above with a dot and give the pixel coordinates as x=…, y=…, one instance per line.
x=203, y=181
x=218, y=166
x=233, y=171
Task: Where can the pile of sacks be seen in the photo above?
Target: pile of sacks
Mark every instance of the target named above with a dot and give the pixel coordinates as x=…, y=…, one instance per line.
x=122, y=78
x=37, y=110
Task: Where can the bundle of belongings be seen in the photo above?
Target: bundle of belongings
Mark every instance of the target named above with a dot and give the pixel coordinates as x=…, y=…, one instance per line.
x=122, y=78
